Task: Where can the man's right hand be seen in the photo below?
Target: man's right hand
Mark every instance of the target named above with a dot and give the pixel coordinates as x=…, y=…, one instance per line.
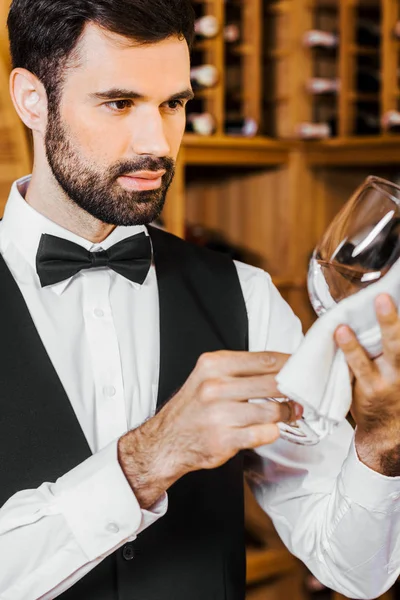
x=207, y=422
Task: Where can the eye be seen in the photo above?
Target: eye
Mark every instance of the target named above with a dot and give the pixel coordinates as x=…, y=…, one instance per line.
x=119, y=105
x=175, y=105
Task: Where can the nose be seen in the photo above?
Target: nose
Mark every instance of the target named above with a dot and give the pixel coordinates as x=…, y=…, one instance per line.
x=149, y=136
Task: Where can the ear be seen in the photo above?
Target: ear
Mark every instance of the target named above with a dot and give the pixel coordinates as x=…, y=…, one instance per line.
x=29, y=98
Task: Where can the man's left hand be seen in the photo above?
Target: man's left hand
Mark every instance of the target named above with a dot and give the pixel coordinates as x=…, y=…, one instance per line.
x=376, y=391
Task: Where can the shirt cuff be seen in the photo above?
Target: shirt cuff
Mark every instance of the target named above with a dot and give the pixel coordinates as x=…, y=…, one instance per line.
x=99, y=505
x=367, y=488
x=152, y=515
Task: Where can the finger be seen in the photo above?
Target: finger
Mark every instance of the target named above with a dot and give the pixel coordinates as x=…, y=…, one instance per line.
x=243, y=388
x=247, y=414
x=240, y=364
x=389, y=323
x=283, y=411
x=356, y=357
x=257, y=435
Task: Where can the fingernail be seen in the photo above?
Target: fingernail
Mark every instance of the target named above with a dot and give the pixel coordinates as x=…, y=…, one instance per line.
x=343, y=335
x=298, y=410
x=383, y=305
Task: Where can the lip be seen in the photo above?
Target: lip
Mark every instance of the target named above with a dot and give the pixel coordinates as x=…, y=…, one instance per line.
x=142, y=180
x=146, y=174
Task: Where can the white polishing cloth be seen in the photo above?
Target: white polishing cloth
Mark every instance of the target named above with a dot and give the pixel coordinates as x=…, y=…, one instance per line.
x=316, y=375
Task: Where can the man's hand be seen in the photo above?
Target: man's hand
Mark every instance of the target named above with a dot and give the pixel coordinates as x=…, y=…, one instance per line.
x=376, y=397
x=207, y=422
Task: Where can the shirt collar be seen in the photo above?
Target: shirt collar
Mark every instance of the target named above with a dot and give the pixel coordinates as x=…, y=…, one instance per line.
x=23, y=227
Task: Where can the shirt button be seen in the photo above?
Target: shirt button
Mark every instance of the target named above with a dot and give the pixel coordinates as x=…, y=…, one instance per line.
x=98, y=313
x=128, y=552
x=109, y=391
x=112, y=528
x=394, y=496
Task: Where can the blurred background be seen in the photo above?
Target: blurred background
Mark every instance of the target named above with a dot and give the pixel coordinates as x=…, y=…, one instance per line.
x=297, y=101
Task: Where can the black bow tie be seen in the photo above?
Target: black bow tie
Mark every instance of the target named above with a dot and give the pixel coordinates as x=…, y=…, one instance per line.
x=58, y=259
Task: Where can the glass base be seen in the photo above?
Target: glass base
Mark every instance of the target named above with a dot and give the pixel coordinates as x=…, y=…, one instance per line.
x=297, y=432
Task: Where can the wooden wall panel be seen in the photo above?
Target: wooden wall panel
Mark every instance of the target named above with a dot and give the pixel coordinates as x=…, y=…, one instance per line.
x=15, y=155
x=246, y=208
x=4, y=51
x=277, y=215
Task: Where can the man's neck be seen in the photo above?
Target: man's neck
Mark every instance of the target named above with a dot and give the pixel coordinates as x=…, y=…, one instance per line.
x=46, y=197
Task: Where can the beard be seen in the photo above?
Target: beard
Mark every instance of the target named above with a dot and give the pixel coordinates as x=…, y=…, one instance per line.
x=98, y=192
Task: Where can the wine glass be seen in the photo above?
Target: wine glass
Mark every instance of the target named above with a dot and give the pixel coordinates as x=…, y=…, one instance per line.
x=357, y=249
x=359, y=246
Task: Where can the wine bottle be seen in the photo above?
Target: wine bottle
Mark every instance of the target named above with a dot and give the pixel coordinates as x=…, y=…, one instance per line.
x=200, y=123
x=367, y=123
x=231, y=33
x=245, y=127
x=313, y=131
x=368, y=33
x=368, y=80
x=391, y=121
x=316, y=38
x=204, y=76
x=323, y=85
x=207, y=26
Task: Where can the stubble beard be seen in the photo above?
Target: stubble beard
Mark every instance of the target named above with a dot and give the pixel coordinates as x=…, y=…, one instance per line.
x=99, y=193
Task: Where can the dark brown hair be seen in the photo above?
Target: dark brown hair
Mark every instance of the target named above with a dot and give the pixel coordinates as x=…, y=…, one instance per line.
x=44, y=33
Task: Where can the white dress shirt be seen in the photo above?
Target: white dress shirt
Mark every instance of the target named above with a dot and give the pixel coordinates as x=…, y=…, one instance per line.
x=101, y=333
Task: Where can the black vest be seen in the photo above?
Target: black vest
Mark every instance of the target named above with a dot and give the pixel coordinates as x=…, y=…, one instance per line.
x=196, y=551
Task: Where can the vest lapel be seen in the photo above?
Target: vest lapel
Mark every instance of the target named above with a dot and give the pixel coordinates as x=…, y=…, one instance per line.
x=193, y=315
x=40, y=429
x=196, y=550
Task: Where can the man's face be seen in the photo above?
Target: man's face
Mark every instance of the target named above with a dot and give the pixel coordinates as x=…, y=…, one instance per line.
x=120, y=114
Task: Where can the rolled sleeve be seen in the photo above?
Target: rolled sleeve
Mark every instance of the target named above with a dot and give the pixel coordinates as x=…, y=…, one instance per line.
x=371, y=490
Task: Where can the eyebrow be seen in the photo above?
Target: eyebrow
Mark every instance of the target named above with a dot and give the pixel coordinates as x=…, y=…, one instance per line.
x=117, y=93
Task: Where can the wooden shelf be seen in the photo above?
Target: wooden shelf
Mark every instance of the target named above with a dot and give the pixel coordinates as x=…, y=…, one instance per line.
x=277, y=8
x=206, y=92
x=278, y=53
x=241, y=49
x=370, y=151
x=261, y=151
x=231, y=150
x=202, y=44
x=363, y=97
x=325, y=4
x=363, y=50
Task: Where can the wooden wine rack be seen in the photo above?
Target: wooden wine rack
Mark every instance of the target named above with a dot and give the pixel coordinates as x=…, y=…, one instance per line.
x=15, y=150
x=287, y=66
x=294, y=64
x=212, y=52
x=390, y=57
x=238, y=64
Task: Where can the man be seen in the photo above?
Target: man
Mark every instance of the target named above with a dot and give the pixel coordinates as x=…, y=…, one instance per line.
x=124, y=372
